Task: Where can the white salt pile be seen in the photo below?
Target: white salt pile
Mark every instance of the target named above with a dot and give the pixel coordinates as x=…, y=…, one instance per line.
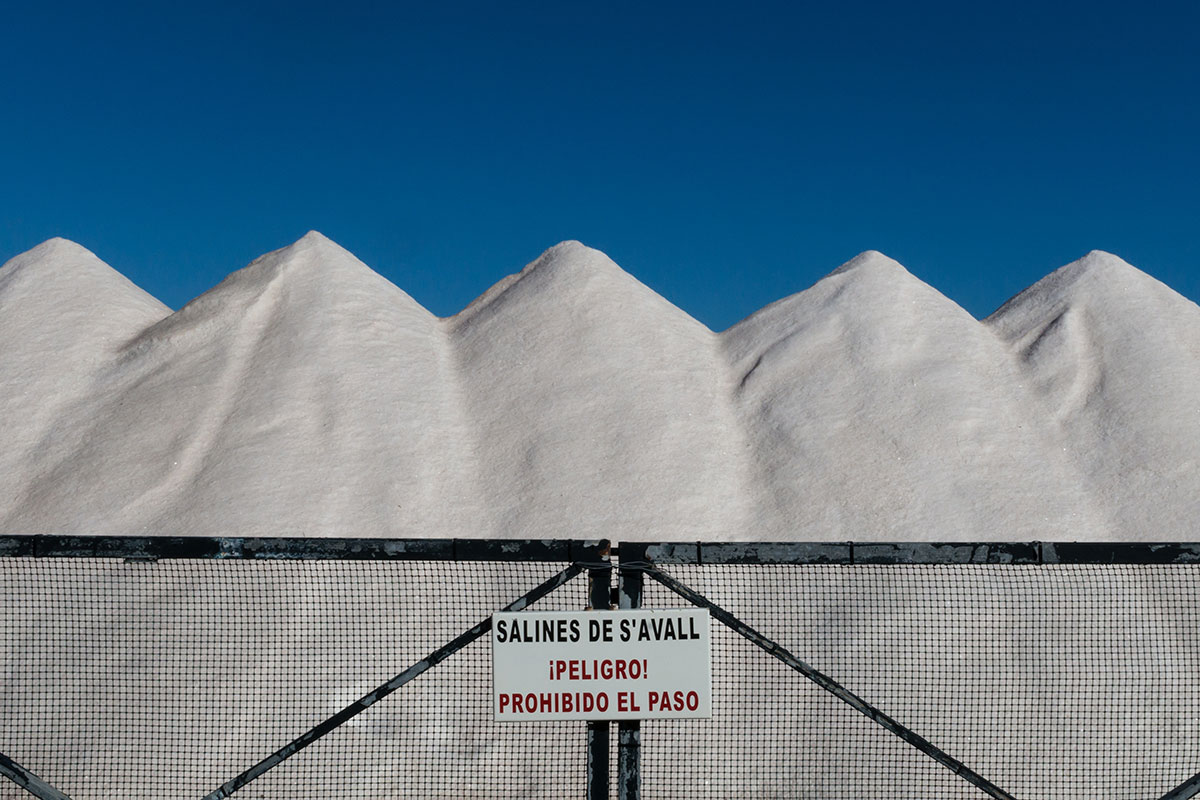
x=307, y=396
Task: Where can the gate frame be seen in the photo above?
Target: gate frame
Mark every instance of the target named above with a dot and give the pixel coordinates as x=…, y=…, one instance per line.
x=575, y=555
x=634, y=559
x=593, y=556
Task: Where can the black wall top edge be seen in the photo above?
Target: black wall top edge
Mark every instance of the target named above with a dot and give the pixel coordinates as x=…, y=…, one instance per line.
x=573, y=550
x=156, y=547
x=1013, y=553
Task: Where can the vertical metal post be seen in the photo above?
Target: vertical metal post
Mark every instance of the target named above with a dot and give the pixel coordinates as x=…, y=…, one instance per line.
x=599, y=598
x=629, y=732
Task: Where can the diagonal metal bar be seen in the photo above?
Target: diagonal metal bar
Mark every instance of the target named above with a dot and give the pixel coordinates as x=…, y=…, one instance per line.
x=1188, y=789
x=28, y=781
x=360, y=705
x=830, y=685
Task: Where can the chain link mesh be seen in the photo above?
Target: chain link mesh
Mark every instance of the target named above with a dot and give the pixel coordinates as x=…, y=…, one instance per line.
x=165, y=679
x=1054, y=682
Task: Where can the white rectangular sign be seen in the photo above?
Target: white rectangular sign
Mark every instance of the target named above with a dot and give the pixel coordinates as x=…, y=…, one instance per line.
x=597, y=665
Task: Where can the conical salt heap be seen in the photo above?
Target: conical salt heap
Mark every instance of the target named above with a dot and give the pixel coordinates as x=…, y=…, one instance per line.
x=306, y=395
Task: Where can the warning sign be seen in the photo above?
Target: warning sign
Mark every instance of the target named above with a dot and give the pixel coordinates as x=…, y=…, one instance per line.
x=597, y=665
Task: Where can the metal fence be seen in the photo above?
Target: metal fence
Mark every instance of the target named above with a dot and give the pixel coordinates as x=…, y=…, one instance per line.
x=336, y=668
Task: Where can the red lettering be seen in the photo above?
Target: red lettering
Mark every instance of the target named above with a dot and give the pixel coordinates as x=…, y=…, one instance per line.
x=574, y=670
x=602, y=702
x=606, y=669
x=635, y=669
x=674, y=701
x=620, y=669
x=516, y=703
x=504, y=700
x=530, y=703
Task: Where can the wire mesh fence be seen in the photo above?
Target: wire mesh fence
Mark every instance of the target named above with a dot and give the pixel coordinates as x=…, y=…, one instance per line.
x=131, y=672
x=163, y=679
x=1071, y=681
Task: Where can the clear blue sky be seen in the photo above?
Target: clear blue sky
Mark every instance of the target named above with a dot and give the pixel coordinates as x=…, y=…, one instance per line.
x=725, y=154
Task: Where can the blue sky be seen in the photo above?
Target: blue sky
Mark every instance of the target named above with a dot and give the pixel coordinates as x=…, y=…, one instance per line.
x=725, y=154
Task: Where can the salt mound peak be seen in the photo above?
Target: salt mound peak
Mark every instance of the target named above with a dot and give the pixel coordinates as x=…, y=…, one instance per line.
x=305, y=366
x=869, y=276
x=320, y=270
x=60, y=296
x=1102, y=267
x=1113, y=357
x=569, y=254
x=575, y=278
x=570, y=258
x=874, y=263
x=1099, y=278
x=872, y=277
x=55, y=250
x=312, y=275
x=60, y=271
x=870, y=291
x=561, y=259
x=64, y=317
x=852, y=393
x=313, y=250
x=312, y=257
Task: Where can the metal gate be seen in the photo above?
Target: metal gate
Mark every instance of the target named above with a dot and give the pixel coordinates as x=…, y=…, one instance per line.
x=201, y=668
